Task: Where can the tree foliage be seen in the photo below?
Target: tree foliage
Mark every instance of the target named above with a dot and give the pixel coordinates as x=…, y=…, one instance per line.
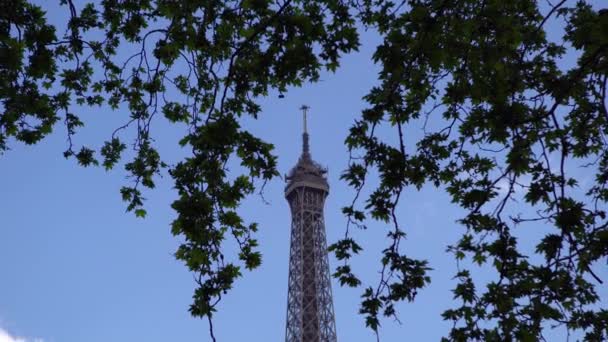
x=506, y=116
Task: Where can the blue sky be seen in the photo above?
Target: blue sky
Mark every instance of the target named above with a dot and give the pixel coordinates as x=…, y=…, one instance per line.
x=75, y=267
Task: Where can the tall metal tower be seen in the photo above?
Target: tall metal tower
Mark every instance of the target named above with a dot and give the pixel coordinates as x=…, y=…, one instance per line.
x=310, y=310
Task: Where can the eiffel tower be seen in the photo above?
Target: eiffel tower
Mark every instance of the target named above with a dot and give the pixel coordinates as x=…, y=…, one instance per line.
x=310, y=311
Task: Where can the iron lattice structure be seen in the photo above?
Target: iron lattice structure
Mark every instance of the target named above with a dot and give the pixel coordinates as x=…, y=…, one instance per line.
x=310, y=312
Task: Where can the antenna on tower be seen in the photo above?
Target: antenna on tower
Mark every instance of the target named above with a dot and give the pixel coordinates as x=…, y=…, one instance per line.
x=305, y=147
x=304, y=110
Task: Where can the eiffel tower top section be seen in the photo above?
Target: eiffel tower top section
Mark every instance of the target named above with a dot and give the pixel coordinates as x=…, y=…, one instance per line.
x=307, y=172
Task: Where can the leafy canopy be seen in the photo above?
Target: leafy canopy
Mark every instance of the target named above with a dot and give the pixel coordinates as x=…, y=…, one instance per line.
x=505, y=118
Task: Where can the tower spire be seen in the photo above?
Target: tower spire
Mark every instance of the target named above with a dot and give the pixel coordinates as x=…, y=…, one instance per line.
x=305, y=146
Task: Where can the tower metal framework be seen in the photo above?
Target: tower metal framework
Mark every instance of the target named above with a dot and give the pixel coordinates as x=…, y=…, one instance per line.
x=310, y=312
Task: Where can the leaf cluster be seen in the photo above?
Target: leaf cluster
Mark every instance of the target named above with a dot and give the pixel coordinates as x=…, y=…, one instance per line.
x=511, y=121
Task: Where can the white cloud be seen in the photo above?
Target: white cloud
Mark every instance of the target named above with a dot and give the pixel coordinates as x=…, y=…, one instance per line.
x=6, y=337
x=519, y=189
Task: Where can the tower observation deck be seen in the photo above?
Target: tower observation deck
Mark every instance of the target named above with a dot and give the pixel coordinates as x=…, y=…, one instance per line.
x=310, y=312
